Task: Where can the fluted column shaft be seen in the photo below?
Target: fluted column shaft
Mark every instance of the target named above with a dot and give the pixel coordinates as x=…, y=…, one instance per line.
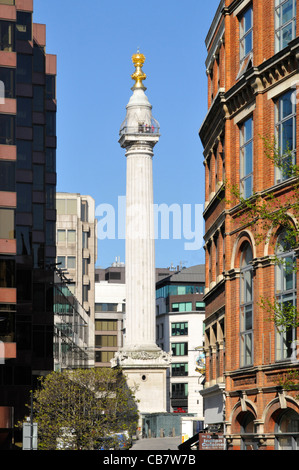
x=140, y=249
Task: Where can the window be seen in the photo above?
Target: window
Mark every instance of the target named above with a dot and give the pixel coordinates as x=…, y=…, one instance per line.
x=200, y=306
x=246, y=306
x=85, y=293
x=71, y=262
x=50, y=233
x=38, y=216
x=38, y=98
x=61, y=236
x=7, y=36
x=7, y=176
x=102, y=341
x=85, y=239
x=24, y=151
x=51, y=160
x=84, y=211
x=7, y=76
x=179, y=369
x=66, y=206
x=178, y=329
x=7, y=324
x=38, y=59
x=38, y=138
x=38, y=255
x=179, y=390
x=285, y=23
x=50, y=87
x=50, y=196
x=7, y=272
x=85, y=266
x=182, y=307
x=51, y=123
x=24, y=197
x=285, y=135
x=106, y=325
x=7, y=130
x=61, y=262
x=71, y=236
x=246, y=33
x=287, y=431
x=285, y=288
x=7, y=224
x=179, y=349
x=24, y=237
x=105, y=307
x=246, y=158
x=24, y=26
x=24, y=68
x=38, y=177
x=104, y=356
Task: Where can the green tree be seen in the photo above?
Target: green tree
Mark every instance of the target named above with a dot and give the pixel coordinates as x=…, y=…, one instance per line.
x=76, y=409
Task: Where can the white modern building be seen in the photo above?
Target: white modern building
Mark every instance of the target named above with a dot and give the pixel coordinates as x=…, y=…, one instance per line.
x=110, y=299
x=76, y=251
x=180, y=313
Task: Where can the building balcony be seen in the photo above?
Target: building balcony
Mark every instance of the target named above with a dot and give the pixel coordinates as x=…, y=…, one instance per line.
x=140, y=129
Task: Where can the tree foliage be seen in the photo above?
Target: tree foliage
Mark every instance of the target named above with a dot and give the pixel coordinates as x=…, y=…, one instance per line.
x=75, y=409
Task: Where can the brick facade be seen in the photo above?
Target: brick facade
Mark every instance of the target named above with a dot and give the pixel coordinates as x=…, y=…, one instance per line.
x=245, y=90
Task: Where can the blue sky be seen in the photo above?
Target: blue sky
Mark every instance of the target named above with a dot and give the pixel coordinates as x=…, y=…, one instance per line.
x=94, y=42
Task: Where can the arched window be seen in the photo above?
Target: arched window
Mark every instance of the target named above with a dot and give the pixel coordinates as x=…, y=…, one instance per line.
x=247, y=432
x=285, y=290
x=246, y=306
x=287, y=431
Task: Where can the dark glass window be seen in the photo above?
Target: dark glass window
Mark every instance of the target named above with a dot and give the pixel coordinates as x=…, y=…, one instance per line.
x=50, y=233
x=38, y=59
x=38, y=216
x=50, y=196
x=24, y=114
x=24, y=291
x=179, y=390
x=38, y=255
x=24, y=26
x=7, y=130
x=7, y=326
x=38, y=177
x=51, y=123
x=24, y=68
x=38, y=138
x=24, y=150
x=51, y=160
x=24, y=240
x=7, y=272
x=179, y=369
x=7, y=76
x=24, y=197
x=38, y=98
x=7, y=176
x=50, y=87
x=7, y=36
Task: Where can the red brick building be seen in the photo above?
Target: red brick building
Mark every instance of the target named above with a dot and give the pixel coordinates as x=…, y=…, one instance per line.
x=252, y=68
x=27, y=210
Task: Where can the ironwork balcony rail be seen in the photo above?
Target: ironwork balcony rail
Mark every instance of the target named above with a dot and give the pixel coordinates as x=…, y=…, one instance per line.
x=140, y=129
